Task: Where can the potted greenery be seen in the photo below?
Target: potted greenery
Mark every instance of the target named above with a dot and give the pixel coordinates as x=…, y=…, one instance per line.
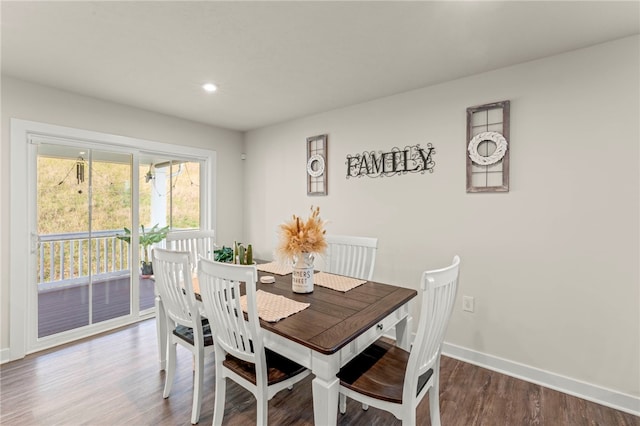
x=238, y=254
x=147, y=238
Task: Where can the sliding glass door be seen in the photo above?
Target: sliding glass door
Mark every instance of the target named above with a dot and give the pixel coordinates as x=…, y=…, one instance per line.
x=73, y=193
x=86, y=272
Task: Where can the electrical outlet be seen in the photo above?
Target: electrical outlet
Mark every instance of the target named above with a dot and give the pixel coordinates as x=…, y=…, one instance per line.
x=468, y=303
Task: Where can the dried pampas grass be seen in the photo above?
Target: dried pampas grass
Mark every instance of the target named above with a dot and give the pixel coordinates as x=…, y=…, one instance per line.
x=298, y=236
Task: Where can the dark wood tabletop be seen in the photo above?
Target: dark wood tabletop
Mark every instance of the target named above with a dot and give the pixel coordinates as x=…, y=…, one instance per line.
x=334, y=318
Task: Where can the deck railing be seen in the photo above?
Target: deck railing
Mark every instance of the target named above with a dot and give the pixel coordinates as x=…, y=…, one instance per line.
x=74, y=256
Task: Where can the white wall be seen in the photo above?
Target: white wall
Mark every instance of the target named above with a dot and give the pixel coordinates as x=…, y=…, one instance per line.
x=43, y=104
x=553, y=264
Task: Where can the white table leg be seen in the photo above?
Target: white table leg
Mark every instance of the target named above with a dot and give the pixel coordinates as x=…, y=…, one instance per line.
x=161, y=324
x=402, y=333
x=325, y=388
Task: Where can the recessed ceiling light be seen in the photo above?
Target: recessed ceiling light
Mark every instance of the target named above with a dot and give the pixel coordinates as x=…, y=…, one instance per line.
x=209, y=87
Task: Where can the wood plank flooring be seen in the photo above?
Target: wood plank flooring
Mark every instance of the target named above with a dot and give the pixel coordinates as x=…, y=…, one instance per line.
x=113, y=379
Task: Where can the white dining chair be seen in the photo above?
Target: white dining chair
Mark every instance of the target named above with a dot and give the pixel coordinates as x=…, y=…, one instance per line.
x=240, y=354
x=198, y=242
x=184, y=324
x=351, y=256
x=391, y=379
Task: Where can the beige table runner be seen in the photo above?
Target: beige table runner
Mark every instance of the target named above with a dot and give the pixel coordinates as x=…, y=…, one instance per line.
x=275, y=268
x=273, y=307
x=336, y=282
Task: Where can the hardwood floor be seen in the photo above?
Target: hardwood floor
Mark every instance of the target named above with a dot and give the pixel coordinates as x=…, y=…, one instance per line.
x=113, y=379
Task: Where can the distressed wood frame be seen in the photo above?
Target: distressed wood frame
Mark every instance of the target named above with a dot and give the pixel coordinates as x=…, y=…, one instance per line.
x=505, y=106
x=317, y=145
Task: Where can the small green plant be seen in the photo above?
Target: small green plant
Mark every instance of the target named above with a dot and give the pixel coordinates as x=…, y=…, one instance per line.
x=224, y=254
x=147, y=237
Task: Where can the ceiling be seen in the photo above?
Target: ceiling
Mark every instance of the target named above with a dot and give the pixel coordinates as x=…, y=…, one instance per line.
x=276, y=61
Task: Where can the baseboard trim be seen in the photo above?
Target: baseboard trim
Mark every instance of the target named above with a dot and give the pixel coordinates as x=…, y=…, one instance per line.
x=610, y=398
x=5, y=355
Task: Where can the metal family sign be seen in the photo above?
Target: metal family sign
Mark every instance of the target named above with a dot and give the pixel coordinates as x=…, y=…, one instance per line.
x=411, y=159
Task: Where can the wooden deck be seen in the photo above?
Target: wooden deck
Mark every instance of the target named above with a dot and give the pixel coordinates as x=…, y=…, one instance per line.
x=67, y=308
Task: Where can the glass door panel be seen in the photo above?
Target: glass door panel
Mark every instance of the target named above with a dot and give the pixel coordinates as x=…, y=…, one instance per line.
x=83, y=202
x=63, y=230
x=169, y=196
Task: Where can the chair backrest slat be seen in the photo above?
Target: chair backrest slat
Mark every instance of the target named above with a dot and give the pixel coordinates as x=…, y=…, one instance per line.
x=199, y=243
x=351, y=256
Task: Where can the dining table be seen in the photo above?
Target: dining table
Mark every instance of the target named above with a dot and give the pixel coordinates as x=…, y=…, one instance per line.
x=334, y=328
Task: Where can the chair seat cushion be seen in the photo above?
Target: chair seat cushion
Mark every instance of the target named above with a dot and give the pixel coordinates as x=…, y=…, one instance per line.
x=379, y=372
x=279, y=368
x=186, y=333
